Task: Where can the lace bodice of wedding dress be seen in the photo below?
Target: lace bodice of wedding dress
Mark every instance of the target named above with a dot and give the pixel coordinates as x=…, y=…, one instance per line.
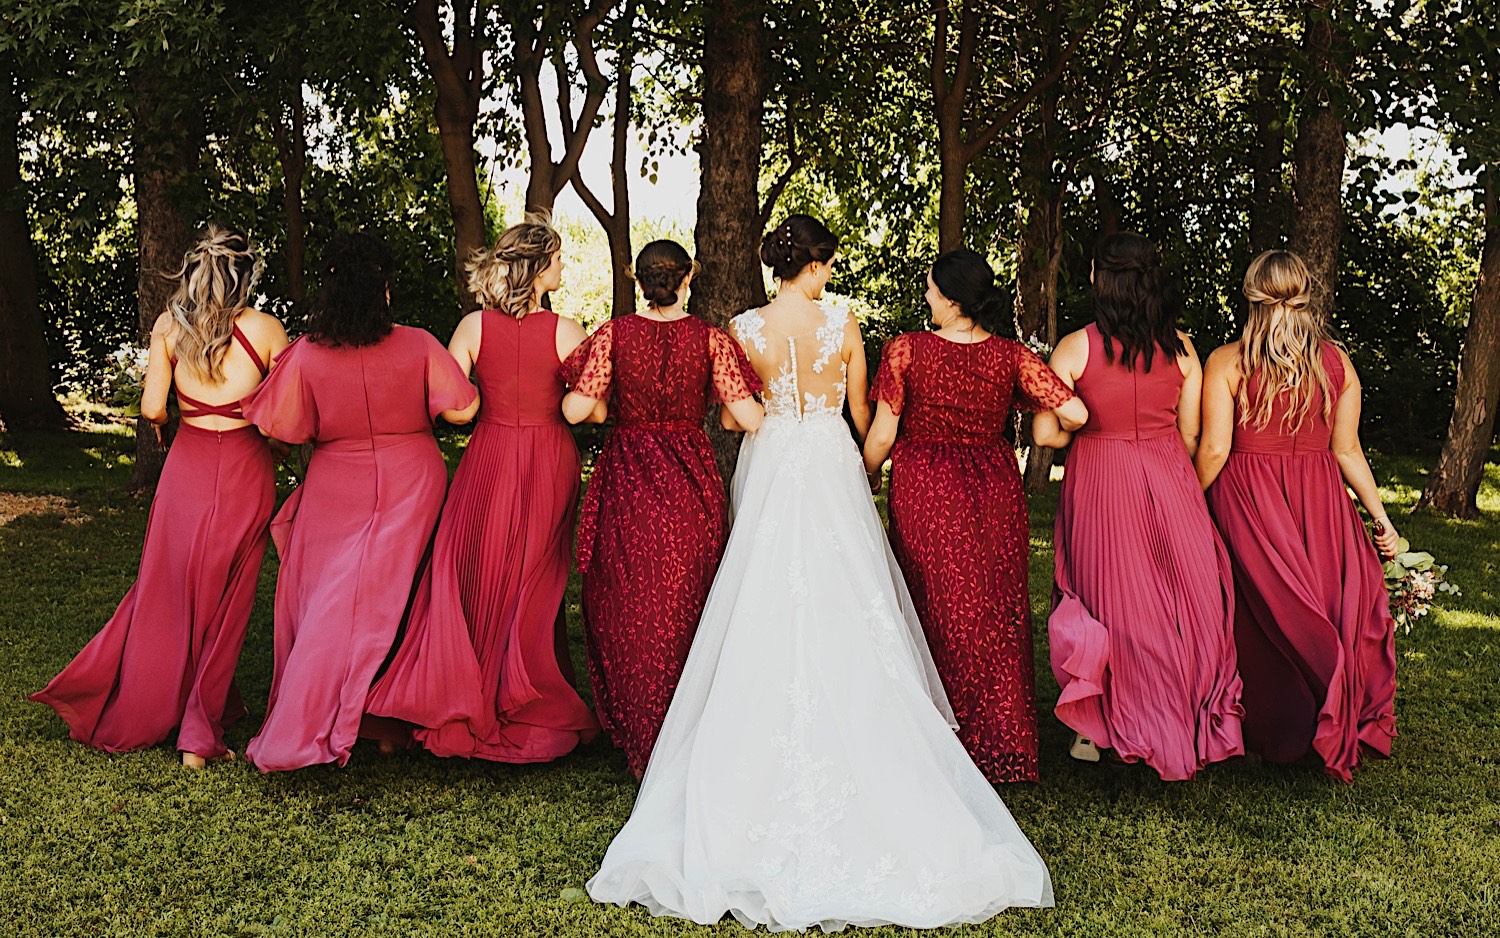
x=804, y=371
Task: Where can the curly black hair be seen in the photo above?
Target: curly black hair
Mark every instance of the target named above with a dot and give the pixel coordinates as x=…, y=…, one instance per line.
x=351, y=307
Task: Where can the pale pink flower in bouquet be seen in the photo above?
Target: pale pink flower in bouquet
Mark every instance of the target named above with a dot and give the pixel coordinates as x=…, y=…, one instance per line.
x=1413, y=579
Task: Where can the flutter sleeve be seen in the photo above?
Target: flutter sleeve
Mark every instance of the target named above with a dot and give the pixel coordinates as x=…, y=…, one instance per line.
x=448, y=388
x=890, y=378
x=1038, y=386
x=734, y=378
x=590, y=368
x=283, y=406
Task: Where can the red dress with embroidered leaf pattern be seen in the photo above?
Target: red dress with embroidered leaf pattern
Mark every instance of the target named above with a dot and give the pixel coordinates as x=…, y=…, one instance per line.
x=654, y=519
x=959, y=529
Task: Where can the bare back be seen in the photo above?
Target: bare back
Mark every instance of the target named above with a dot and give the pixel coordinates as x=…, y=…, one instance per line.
x=798, y=352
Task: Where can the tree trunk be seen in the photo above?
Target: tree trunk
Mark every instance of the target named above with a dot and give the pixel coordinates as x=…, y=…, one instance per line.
x=26, y=398
x=1454, y=485
x=1268, y=156
x=1039, y=254
x=727, y=234
x=167, y=144
x=458, y=77
x=1318, y=155
x=291, y=149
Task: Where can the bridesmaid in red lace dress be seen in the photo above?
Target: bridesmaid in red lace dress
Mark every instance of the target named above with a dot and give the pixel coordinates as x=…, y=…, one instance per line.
x=654, y=520
x=958, y=513
x=1142, y=629
x=1312, y=620
x=365, y=393
x=166, y=659
x=482, y=670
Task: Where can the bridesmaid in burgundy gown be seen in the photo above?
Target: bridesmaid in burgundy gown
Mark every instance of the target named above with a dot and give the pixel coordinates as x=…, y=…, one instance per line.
x=350, y=536
x=654, y=519
x=1142, y=628
x=958, y=514
x=483, y=669
x=166, y=659
x=1312, y=620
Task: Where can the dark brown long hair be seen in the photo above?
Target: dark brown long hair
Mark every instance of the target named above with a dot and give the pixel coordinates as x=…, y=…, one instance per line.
x=1133, y=300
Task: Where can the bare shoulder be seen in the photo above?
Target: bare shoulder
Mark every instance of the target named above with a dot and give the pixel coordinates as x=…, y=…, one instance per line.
x=1224, y=360
x=1187, y=343
x=257, y=324
x=165, y=324
x=568, y=327
x=1073, y=343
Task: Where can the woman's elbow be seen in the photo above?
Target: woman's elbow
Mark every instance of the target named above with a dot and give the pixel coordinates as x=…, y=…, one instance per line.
x=153, y=412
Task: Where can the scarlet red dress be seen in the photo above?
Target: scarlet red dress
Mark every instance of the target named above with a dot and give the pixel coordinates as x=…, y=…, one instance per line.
x=1142, y=633
x=351, y=535
x=478, y=669
x=654, y=518
x=959, y=529
x=1312, y=619
x=167, y=657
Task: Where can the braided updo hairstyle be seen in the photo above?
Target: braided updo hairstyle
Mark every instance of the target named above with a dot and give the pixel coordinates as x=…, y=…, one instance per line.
x=214, y=284
x=965, y=277
x=504, y=277
x=798, y=241
x=660, y=269
x=1133, y=300
x=351, y=307
x=1282, y=345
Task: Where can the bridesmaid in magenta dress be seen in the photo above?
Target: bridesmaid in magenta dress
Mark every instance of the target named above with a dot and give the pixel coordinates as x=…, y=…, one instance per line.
x=1142, y=628
x=1280, y=442
x=166, y=659
x=958, y=514
x=365, y=393
x=483, y=670
x=654, y=520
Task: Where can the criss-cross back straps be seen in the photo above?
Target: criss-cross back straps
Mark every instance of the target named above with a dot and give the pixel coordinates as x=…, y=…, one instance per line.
x=232, y=408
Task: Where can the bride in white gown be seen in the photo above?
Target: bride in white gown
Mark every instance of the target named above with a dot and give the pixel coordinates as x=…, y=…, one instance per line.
x=807, y=773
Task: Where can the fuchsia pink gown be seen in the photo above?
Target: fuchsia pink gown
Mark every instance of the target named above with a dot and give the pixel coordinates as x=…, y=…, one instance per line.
x=1312, y=619
x=167, y=657
x=1142, y=630
x=351, y=535
x=481, y=670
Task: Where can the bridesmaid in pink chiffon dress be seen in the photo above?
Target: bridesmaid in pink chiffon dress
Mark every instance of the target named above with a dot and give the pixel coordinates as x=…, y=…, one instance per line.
x=655, y=517
x=1312, y=619
x=483, y=669
x=958, y=510
x=1142, y=628
x=351, y=535
x=166, y=659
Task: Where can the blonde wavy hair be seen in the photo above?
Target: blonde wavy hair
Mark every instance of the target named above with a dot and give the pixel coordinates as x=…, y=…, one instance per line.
x=504, y=277
x=214, y=285
x=1282, y=343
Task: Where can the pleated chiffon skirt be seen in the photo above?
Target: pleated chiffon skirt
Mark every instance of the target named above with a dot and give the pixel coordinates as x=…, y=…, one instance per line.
x=1312, y=618
x=166, y=659
x=483, y=671
x=1141, y=634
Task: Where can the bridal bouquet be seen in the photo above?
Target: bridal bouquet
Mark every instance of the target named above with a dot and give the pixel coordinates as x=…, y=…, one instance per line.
x=123, y=377
x=1413, y=579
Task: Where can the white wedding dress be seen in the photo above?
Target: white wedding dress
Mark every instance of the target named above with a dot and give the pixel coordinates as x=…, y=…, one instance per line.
x=807, y=773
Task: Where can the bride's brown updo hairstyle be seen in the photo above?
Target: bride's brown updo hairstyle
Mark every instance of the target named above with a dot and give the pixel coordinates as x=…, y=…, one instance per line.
x=660, y=269
x=798, y=241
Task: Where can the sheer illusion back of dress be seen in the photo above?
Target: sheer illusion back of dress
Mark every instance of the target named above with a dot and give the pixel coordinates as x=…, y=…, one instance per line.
x=799, y=359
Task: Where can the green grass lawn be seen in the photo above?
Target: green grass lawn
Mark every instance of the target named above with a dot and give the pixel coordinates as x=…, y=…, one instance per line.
x=134, y=845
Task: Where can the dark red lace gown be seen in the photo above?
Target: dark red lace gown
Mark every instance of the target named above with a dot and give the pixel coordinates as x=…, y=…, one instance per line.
x=654, y=519
x=960, y=532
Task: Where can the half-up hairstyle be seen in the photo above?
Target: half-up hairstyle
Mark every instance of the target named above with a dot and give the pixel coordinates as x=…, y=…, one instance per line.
x=1282, y=345
x=965, y=277
x=351, y=307
x=214, y=285
x=660, y=269
x=504, y=277
x=1133, y=300
x=798, y=241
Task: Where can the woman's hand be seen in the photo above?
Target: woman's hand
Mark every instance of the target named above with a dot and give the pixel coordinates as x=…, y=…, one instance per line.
x=1387, y=541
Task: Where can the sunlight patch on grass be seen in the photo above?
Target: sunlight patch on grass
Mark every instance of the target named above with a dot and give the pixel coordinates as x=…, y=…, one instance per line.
x=11, y=459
